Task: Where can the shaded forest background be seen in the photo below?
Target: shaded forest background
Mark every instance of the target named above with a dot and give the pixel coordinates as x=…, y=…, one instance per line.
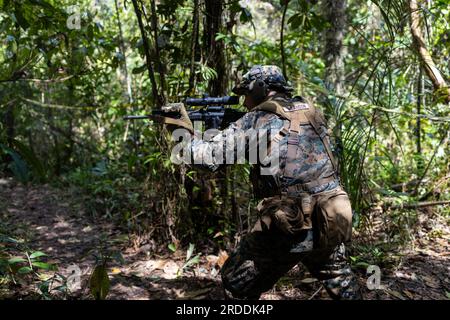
x=70, y=70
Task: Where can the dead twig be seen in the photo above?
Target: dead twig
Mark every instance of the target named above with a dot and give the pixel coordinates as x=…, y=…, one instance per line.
x=314, y=294
x=416, y=205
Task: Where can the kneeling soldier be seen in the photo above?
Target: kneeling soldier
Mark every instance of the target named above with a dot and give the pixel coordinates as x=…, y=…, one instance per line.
x=304, y=215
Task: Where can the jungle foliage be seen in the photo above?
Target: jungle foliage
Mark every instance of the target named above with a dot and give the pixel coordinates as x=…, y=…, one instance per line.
x=70, y=70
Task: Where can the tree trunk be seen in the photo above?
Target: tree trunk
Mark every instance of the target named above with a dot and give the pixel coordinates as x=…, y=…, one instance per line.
x=194, y=47
x=10, y=122
x=420, y=105
x=158, y=58
x=127, y=82
x=334, y=51
x=283, y=58
x=214, y=51
x=158, y=98
x=430, y=68
x=214, y=57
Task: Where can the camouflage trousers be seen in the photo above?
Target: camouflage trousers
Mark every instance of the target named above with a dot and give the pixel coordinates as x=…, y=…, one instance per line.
x=266, y=254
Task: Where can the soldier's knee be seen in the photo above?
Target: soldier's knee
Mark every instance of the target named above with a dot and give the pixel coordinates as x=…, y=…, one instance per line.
x=335, y=218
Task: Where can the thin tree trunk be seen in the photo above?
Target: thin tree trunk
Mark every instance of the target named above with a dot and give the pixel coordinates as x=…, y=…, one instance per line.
x=195, y=30
x=123, y=52
x=283, y=57
x=443, y=141
x=214, y=57
x=420, y=103
x=10, y=123
x=428, y=64
x=333, y=52
x=9, y=115
x=127, y=84
x=158, y=99
x=215, y=50
x=158, y=58
x=57, y=149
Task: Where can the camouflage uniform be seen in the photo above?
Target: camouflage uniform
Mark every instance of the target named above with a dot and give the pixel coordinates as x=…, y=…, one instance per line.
x=304, y=216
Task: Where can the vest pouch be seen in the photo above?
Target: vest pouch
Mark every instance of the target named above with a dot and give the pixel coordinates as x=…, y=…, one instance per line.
x=284, y=213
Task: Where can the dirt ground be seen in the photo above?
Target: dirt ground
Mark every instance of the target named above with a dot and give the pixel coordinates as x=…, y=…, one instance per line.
x=53, y=222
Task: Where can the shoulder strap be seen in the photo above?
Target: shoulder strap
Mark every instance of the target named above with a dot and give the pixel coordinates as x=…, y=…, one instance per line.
x=273, y=106
x=311, y=115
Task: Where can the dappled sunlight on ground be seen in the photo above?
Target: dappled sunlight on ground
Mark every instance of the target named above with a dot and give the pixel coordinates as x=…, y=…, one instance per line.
x=54, y=223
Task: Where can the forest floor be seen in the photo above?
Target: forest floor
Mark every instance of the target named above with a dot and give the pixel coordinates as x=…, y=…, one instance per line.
x=54, y=222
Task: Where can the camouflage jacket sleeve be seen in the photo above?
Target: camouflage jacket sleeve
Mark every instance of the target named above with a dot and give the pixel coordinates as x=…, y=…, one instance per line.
x=223, y=147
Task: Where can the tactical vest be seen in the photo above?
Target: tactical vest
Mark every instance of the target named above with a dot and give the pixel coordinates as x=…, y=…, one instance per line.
x=298, y=113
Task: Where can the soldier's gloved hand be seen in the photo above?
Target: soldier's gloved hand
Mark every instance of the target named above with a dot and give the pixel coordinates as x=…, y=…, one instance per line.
x=183, y=121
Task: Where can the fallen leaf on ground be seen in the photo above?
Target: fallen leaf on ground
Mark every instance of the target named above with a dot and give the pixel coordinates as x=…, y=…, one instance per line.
x=211, y=262
x=196, y=294
x=408, y=294
x=115, y=270
x=170, y=270
x=223, y=256
x=395, y=294
x=430, y=282
x=179, y=293
x=155, y=264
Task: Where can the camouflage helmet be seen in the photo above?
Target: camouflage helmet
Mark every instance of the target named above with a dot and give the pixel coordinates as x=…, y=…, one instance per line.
x=270, y=74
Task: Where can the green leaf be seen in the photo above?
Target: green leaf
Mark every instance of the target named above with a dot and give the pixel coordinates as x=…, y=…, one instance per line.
x=194, y=260
x=37, y=254
x=172, y=247
x=4, y=238
x=44, y=286
x=234, y=7
x=16, y=260
x=245, y=16
x=296, y=20
x=24, y=270
x=99, y=283
x=20, y=18
x=220, y=36
x=43, y=4
x=42, y=265
x=190, y=251
x=362, y=265
x=140, y=69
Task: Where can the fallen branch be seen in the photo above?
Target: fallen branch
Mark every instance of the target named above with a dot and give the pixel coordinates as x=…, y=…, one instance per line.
x=416, y=205
x=404, y=185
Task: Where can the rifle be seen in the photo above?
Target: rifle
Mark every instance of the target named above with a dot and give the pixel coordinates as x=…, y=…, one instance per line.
x=213, y=112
